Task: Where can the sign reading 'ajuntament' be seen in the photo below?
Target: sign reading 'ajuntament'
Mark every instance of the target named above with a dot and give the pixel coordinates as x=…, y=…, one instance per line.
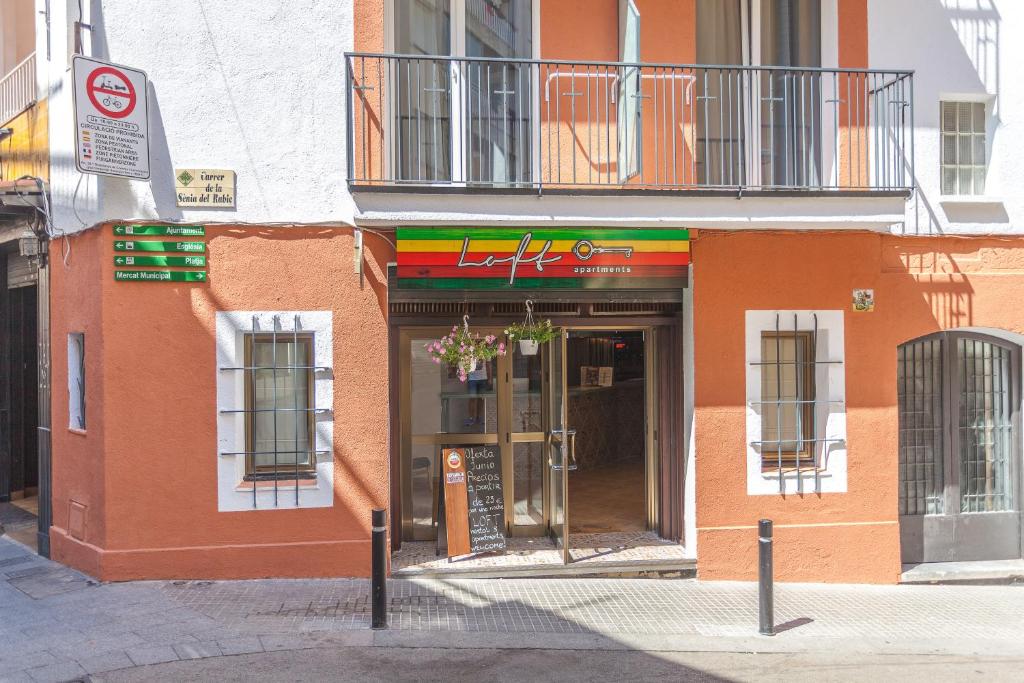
x=548, y=258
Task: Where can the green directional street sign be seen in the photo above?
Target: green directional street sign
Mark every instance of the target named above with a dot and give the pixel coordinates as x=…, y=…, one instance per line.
x=182, y=261
x=148, y=245
x=170, y=230
x=160, y=275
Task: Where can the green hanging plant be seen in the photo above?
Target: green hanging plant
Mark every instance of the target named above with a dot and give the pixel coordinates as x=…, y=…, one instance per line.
x=529, y=334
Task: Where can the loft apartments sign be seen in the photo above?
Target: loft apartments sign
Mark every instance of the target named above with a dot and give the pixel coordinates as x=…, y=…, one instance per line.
x=542, y=258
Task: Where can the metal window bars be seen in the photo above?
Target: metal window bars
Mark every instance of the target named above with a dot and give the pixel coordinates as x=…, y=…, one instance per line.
x=519, y=124
x=815, y=444
x=297, y=412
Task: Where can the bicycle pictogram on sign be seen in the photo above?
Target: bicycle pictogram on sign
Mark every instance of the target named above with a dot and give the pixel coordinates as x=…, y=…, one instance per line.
x=111, y=92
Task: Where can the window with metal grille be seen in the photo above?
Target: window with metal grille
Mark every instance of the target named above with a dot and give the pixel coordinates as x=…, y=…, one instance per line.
x=796, y=397
x=279, y=403
x=787, y=396
x=274, y=438
x=920, y=386
x=957, y=398
x=963, y=148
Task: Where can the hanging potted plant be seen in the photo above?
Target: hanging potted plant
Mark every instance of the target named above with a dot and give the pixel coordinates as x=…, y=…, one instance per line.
x=529, y=334
x=464, y=350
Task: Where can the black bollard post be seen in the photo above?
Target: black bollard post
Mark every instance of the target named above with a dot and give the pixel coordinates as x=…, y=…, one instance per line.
x=766, y=607
x=378, y=589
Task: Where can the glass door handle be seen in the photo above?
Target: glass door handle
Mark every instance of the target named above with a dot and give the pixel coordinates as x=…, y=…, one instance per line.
x=571, y=433
x=557, y=444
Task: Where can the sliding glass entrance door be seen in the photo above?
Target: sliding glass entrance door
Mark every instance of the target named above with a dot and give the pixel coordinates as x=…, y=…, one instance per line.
x=561, y=442
x=576, y=414
x=500, y=404
x=600, y=452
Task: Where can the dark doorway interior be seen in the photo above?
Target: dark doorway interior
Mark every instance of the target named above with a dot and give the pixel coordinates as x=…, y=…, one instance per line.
x=19, y=471
x=607, y=399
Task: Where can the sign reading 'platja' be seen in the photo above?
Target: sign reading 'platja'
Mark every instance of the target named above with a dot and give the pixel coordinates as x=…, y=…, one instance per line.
x=555, y=258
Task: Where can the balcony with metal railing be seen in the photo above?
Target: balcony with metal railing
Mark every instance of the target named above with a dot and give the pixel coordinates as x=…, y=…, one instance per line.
x=422, y=123
x=18, y=89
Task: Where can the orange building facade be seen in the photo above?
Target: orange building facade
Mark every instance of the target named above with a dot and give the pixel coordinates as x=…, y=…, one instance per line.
x=742, y=335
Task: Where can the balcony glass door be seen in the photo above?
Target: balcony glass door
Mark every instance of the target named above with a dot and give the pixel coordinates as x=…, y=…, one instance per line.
x=423, y=94
x=461, y=116
x=790, y=35
x=760, y=127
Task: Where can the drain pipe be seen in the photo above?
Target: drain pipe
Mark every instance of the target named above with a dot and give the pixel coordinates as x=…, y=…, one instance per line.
x=45, y=518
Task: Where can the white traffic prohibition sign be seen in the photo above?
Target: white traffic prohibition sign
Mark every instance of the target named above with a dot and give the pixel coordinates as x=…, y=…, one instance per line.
x=111, y=92
x=111, y=119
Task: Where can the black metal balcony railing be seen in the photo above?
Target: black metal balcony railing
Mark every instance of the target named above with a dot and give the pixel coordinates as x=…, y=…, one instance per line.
x=505, y=124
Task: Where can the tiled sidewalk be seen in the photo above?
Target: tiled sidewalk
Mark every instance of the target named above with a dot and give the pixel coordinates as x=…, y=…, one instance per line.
x=58, y=625
x=627, y=549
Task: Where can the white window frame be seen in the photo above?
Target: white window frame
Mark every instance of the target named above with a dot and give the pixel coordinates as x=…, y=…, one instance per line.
x=830, y=406
x=987, y=103
x=234, y=494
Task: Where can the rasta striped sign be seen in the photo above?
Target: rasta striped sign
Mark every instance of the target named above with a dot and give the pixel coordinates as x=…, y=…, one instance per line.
x=542, y=258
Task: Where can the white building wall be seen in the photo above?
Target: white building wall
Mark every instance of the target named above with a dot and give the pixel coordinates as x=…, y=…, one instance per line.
x=256, y=86
x=959, y=49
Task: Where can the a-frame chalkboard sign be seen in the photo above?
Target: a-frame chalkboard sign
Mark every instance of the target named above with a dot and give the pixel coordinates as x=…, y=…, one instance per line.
x=471, y=502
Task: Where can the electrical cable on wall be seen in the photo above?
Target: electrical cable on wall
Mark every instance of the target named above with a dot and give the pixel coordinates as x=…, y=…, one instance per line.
x=43, y=212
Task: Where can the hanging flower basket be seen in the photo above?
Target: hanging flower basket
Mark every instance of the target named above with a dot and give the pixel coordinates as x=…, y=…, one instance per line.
x=464, y=350
x=529, y=334
x=528, y=347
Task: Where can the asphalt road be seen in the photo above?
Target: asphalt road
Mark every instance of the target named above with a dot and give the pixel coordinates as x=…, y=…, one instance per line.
x=533, y=666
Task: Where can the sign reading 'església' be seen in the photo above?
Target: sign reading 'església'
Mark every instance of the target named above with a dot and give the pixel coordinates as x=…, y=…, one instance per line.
x=550, y=258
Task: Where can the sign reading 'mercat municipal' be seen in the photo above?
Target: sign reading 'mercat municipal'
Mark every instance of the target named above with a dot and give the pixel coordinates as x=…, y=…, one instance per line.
x=549, y=258
x=204, y=188
x=160, y=275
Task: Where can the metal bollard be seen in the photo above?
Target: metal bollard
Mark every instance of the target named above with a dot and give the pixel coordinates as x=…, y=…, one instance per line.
x=378, y=587
x=765, y=607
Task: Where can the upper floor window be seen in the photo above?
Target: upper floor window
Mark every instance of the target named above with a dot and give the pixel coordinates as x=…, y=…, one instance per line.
x=963, y=148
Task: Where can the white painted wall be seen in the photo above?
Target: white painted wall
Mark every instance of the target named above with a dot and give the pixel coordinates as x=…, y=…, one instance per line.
x=256, y=86
x=959, y=49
